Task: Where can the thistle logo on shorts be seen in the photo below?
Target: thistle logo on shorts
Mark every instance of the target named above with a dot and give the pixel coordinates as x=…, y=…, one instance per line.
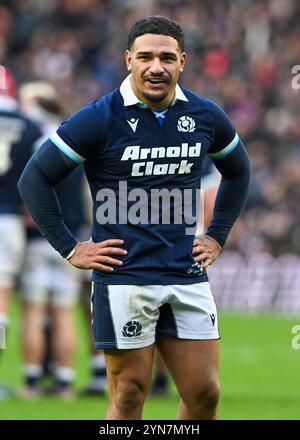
x=132, y=328
x=186, y=124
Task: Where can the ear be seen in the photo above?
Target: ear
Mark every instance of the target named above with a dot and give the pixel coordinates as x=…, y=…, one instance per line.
x=128, y=60
x=182, y=61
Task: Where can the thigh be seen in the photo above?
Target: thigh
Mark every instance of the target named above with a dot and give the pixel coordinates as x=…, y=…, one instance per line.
x=193, y=364
x=128, y=366
x=124, y=316
x=33, y=316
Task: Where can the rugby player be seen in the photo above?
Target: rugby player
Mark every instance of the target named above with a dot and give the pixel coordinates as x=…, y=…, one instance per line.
x=150, y=283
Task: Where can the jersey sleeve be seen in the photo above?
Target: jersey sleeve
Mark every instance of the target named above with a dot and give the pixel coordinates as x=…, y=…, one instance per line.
x=81, y=135
x=225, y=137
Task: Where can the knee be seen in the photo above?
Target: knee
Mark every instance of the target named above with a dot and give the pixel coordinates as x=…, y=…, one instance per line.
x=205, y=399
x=209, y=395
x=129, y=395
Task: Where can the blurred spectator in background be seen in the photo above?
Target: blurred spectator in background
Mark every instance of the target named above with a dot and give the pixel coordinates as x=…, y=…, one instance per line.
x=17, y=136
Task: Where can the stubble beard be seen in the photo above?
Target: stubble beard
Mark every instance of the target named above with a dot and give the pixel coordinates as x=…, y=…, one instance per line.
x=149, y=97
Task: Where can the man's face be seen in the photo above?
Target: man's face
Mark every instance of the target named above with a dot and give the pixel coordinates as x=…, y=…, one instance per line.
x=155, y=62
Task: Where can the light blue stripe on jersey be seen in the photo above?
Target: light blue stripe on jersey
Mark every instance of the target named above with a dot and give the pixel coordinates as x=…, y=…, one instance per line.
x=227, y=150
x=59, y=143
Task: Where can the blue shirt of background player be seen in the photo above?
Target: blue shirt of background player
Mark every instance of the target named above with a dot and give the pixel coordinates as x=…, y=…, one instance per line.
x=17, y=137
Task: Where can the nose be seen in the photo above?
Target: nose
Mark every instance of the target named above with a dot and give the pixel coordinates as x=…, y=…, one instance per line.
x=156, y=67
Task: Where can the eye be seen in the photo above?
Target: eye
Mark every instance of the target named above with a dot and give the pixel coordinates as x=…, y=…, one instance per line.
x=168, y=58
x=143, y=57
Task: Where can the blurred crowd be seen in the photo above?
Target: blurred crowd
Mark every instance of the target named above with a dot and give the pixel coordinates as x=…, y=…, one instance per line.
x=256, y=283
x=240, y=54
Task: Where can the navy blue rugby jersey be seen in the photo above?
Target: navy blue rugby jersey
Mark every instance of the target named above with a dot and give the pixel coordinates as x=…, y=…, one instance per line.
x=128, y=156
x=17, y=137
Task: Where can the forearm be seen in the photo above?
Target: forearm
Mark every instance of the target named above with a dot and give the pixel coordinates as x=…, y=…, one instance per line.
x=41, y=200
x=232, y=194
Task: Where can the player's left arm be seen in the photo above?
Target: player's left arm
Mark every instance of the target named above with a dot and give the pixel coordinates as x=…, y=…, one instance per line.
x=232, y=161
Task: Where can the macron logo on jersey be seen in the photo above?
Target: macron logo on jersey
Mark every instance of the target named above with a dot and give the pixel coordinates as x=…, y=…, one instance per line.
x=149, y=167
x=133, y=123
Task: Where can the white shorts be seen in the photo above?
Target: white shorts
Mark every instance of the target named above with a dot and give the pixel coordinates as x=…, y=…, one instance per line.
x=12, y=245
x=126, y=317
x=47, y=277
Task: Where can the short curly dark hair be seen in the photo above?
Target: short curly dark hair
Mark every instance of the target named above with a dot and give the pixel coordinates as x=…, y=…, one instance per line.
x=156, y=24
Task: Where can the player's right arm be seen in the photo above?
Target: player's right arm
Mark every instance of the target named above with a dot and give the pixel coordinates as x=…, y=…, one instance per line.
x=53, y=161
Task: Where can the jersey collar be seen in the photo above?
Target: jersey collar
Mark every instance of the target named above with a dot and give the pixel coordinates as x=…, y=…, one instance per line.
x=131, y=99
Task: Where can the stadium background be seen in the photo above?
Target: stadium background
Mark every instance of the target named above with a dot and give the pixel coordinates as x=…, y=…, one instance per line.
x=241, y=55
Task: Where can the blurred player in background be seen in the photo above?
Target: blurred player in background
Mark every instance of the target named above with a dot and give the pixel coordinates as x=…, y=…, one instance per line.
x=39, y=101
x=50, y=286
x=17, y=137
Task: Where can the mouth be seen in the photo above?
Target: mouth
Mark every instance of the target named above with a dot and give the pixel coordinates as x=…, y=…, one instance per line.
x=155, y=81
